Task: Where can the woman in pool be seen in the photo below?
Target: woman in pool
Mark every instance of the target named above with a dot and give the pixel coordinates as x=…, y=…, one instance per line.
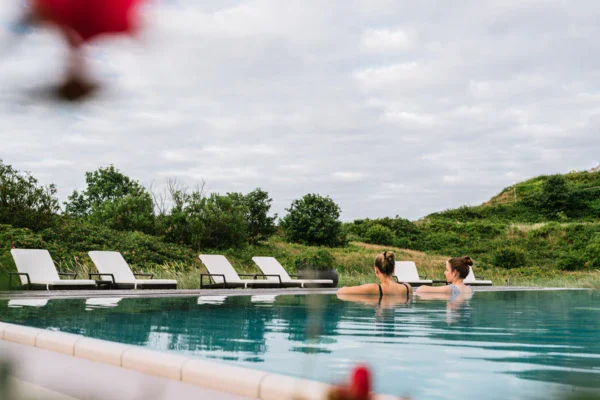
x=457, y=269
x=384, y=268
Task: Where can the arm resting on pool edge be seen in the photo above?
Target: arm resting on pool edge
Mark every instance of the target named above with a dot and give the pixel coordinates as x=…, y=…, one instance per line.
x=369, y=288
x=432, y=289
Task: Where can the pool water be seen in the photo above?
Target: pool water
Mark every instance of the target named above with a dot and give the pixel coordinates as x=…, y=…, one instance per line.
x=496, y=345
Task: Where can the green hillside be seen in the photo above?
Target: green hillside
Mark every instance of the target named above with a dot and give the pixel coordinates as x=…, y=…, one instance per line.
x=562, y=198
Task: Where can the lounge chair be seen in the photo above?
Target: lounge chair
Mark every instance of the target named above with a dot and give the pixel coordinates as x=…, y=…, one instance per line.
x=224, y=276
x=36, y=270
x=114, y=271
x=406, y=271
x=269, y=265
x=473, y=280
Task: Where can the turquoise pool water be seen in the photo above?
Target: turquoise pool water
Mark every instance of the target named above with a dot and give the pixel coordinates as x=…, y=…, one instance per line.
x=497, y=345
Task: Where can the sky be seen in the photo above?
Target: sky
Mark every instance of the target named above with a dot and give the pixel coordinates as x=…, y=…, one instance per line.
x=389, y=107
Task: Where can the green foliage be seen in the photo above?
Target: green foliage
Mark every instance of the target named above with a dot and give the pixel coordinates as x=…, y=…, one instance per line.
x=404, y=232
x=509, y=258
x=571, y=197
x=72, y=241
x=319, y=259
x=222, y=223
x=379, y=234
x=113, y=200
x=556, y=196
x=314, y=220
x=258, y=204
x=24, y=202
x=572, y=261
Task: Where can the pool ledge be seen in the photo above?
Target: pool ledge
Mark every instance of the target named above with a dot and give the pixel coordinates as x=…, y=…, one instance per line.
x=199, y=372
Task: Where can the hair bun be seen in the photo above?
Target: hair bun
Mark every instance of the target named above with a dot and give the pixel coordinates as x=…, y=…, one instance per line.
x=467, y=260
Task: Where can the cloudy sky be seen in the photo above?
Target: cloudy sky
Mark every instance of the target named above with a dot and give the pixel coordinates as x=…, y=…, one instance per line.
x=390, y=107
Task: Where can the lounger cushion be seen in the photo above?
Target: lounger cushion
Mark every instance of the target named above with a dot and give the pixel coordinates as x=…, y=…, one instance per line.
x=270, y=266
x=471, y=280
x=112, y=262
x=37, y=263
x=406, y=271
x=71, y=282
x=218, y=264
x=157, y=282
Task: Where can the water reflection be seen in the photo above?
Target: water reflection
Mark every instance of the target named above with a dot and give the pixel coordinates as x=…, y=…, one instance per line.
x=458, y=308
x=506, y=340
x=18, y=303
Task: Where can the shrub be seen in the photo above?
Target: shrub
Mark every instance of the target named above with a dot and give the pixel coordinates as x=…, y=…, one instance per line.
x=509, y=258
x=314, y=220
x=572, y=262
x=379, y=234
x=320, y=259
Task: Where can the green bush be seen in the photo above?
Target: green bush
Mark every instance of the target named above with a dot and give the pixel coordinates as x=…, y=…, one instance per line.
x=320, y=259
x=314, y=220
x=379, y=234
x=509, y=258
x=572, y=262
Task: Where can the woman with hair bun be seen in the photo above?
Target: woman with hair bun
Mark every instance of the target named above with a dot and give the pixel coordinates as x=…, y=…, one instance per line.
x=457, y=269
x=384, y=269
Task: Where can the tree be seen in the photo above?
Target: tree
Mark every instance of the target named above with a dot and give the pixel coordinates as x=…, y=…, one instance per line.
x=114, y=200
x=257, y=204
x=219, y=222
x=24, y=203
x=314, y=220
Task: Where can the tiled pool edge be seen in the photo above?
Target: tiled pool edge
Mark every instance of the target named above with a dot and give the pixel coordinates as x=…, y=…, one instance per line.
x=203, y=373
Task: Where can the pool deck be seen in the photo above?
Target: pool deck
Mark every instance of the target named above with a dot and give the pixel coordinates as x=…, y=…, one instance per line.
x=74, y=294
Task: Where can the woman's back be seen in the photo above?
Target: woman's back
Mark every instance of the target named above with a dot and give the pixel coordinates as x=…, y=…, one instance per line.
x=395, y=288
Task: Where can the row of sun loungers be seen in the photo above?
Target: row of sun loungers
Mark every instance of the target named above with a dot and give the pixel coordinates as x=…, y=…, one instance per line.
x=36, y=270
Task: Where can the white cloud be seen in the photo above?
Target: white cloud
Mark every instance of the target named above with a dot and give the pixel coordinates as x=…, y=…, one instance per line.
x=348, y=176
x=386, y=41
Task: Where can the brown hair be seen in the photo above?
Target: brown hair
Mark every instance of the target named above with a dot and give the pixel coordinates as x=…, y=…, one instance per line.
x=386, y=262
x=461, y=265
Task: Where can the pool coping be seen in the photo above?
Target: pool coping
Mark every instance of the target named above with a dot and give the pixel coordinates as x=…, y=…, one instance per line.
x=78, y=294
x=203, y=373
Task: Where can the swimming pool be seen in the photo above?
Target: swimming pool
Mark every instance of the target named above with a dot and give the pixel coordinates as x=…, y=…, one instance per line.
x=496, y=345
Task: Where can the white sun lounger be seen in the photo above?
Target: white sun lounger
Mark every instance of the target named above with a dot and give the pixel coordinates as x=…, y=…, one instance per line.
x=406, y=271
x=269, y=265
x=224, y=276
x=36, y=270
x=473, y=280
x=114, y=271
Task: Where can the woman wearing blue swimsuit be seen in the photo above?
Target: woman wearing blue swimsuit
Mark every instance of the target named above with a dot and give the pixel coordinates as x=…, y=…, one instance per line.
x=384, y=269
x=457, y=269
